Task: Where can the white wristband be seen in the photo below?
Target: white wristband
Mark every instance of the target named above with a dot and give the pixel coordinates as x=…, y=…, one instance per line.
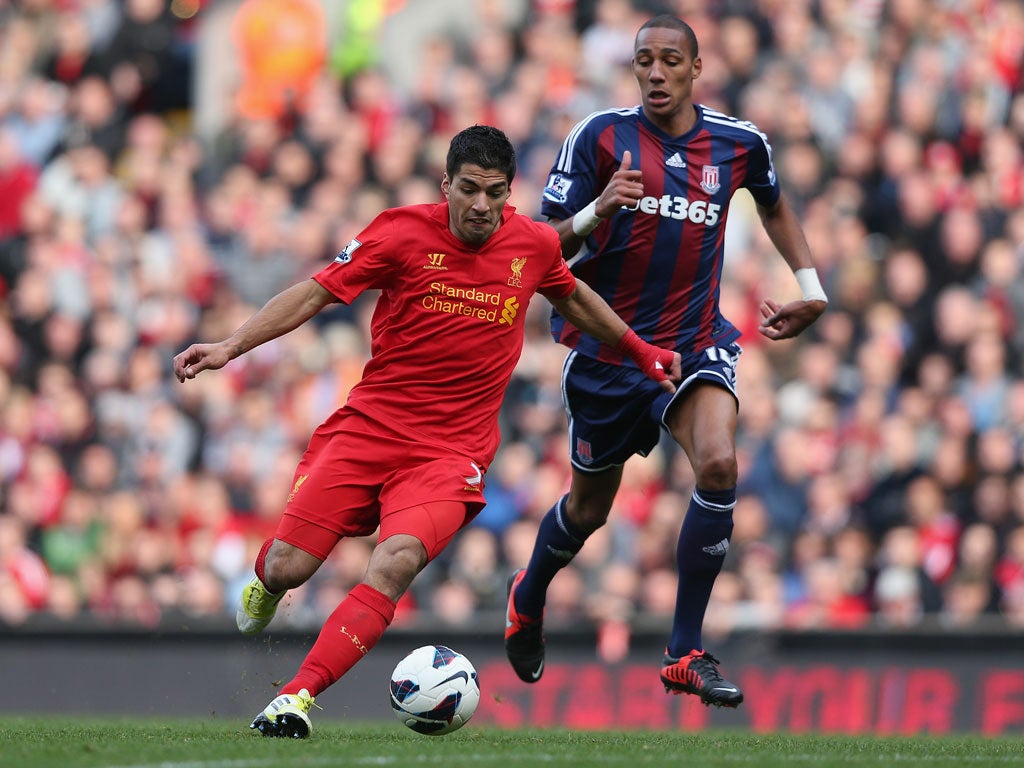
x=810, y=285
x=586, y=221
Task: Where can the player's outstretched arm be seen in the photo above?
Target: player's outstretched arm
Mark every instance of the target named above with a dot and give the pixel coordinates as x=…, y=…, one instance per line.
x=785, y=321
x=624, y=190
x=283, y=313
x=591, y=314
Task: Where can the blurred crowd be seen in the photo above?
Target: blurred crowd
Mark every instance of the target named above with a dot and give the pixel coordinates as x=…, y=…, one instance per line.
x=881, y=473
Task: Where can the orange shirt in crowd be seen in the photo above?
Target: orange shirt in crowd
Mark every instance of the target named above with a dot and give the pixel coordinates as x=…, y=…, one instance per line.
x=282, y=45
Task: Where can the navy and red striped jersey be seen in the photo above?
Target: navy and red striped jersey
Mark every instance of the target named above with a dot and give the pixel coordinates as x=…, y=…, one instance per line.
x=658, y=266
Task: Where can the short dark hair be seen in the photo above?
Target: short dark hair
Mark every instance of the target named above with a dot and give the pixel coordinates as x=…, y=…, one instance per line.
x=484, y=146
x=668, y=21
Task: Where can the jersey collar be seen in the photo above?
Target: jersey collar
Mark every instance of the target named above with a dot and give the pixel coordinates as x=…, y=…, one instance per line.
x=697, y=126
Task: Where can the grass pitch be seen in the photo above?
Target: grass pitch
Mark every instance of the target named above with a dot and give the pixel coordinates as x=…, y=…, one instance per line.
x=171, y=743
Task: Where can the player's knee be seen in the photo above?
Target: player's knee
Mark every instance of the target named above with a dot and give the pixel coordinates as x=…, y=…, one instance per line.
x=587, y=515
x=395, y=563
x=717, y=471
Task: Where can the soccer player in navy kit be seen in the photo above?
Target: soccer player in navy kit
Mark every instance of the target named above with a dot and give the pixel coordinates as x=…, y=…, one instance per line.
x=640, y=198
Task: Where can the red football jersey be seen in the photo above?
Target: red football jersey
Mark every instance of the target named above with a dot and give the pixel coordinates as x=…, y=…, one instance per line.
x=447, y=330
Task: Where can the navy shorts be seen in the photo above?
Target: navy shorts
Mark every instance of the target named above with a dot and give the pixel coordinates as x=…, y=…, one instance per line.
x=616, y=411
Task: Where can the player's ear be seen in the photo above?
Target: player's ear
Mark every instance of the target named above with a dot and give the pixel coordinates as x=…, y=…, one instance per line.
x=446, y=185
x=698, y=66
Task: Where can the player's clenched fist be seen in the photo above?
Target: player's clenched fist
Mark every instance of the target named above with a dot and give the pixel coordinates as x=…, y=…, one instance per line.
x=624, y=189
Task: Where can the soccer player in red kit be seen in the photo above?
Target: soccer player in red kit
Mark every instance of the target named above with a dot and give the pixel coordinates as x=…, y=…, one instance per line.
x=409, y=449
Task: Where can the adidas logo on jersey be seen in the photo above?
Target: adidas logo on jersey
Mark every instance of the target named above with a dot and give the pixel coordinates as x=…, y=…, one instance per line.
x=676, y=161
x=718, y=549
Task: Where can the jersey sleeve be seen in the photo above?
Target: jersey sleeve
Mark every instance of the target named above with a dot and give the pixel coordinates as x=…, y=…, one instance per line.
x=573, y=182
x=761, y=180
x=365, y=263
x=559, y=282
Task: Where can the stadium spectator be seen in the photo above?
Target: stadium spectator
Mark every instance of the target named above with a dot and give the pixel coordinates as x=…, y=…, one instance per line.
x=18, y=179
x=282, y=48
x=37, y=119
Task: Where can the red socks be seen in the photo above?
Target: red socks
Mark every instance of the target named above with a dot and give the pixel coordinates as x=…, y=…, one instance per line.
x=261, y=560
x=349, y=633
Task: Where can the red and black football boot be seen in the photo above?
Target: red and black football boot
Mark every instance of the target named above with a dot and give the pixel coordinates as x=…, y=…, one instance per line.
x=697, y=673
x=524, y=637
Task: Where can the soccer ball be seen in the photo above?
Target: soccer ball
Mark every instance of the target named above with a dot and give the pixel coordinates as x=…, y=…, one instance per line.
x=434, y=690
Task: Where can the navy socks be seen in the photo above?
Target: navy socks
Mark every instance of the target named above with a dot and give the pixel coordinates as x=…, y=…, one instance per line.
x=703, y=542
x=557, y=543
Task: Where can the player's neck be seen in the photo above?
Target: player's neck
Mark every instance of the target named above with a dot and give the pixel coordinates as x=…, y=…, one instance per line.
x=678, y=123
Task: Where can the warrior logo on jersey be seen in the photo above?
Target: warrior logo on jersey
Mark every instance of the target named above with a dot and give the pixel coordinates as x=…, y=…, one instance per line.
x=557, y=189
x=516, y=280
x=434, y=261
x=346, y=255
x=709, y=179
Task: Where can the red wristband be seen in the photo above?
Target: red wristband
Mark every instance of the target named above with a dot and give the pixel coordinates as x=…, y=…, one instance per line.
x=652, y=360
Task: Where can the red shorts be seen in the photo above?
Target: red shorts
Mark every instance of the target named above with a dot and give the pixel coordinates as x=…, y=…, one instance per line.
x=357, y=474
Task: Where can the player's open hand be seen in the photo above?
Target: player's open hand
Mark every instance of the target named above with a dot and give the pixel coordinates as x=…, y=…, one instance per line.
x=785, y=322
x=200, y=357
x=624, y=189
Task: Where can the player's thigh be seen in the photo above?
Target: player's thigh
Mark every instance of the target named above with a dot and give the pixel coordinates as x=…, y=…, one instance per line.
x=432, y=499
x=703, y=422
x=433, y=523
x=334, y=494
x=702, y=415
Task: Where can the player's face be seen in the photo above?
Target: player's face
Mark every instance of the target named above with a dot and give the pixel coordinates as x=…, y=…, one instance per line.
x=665, y=71
x=476, y=198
